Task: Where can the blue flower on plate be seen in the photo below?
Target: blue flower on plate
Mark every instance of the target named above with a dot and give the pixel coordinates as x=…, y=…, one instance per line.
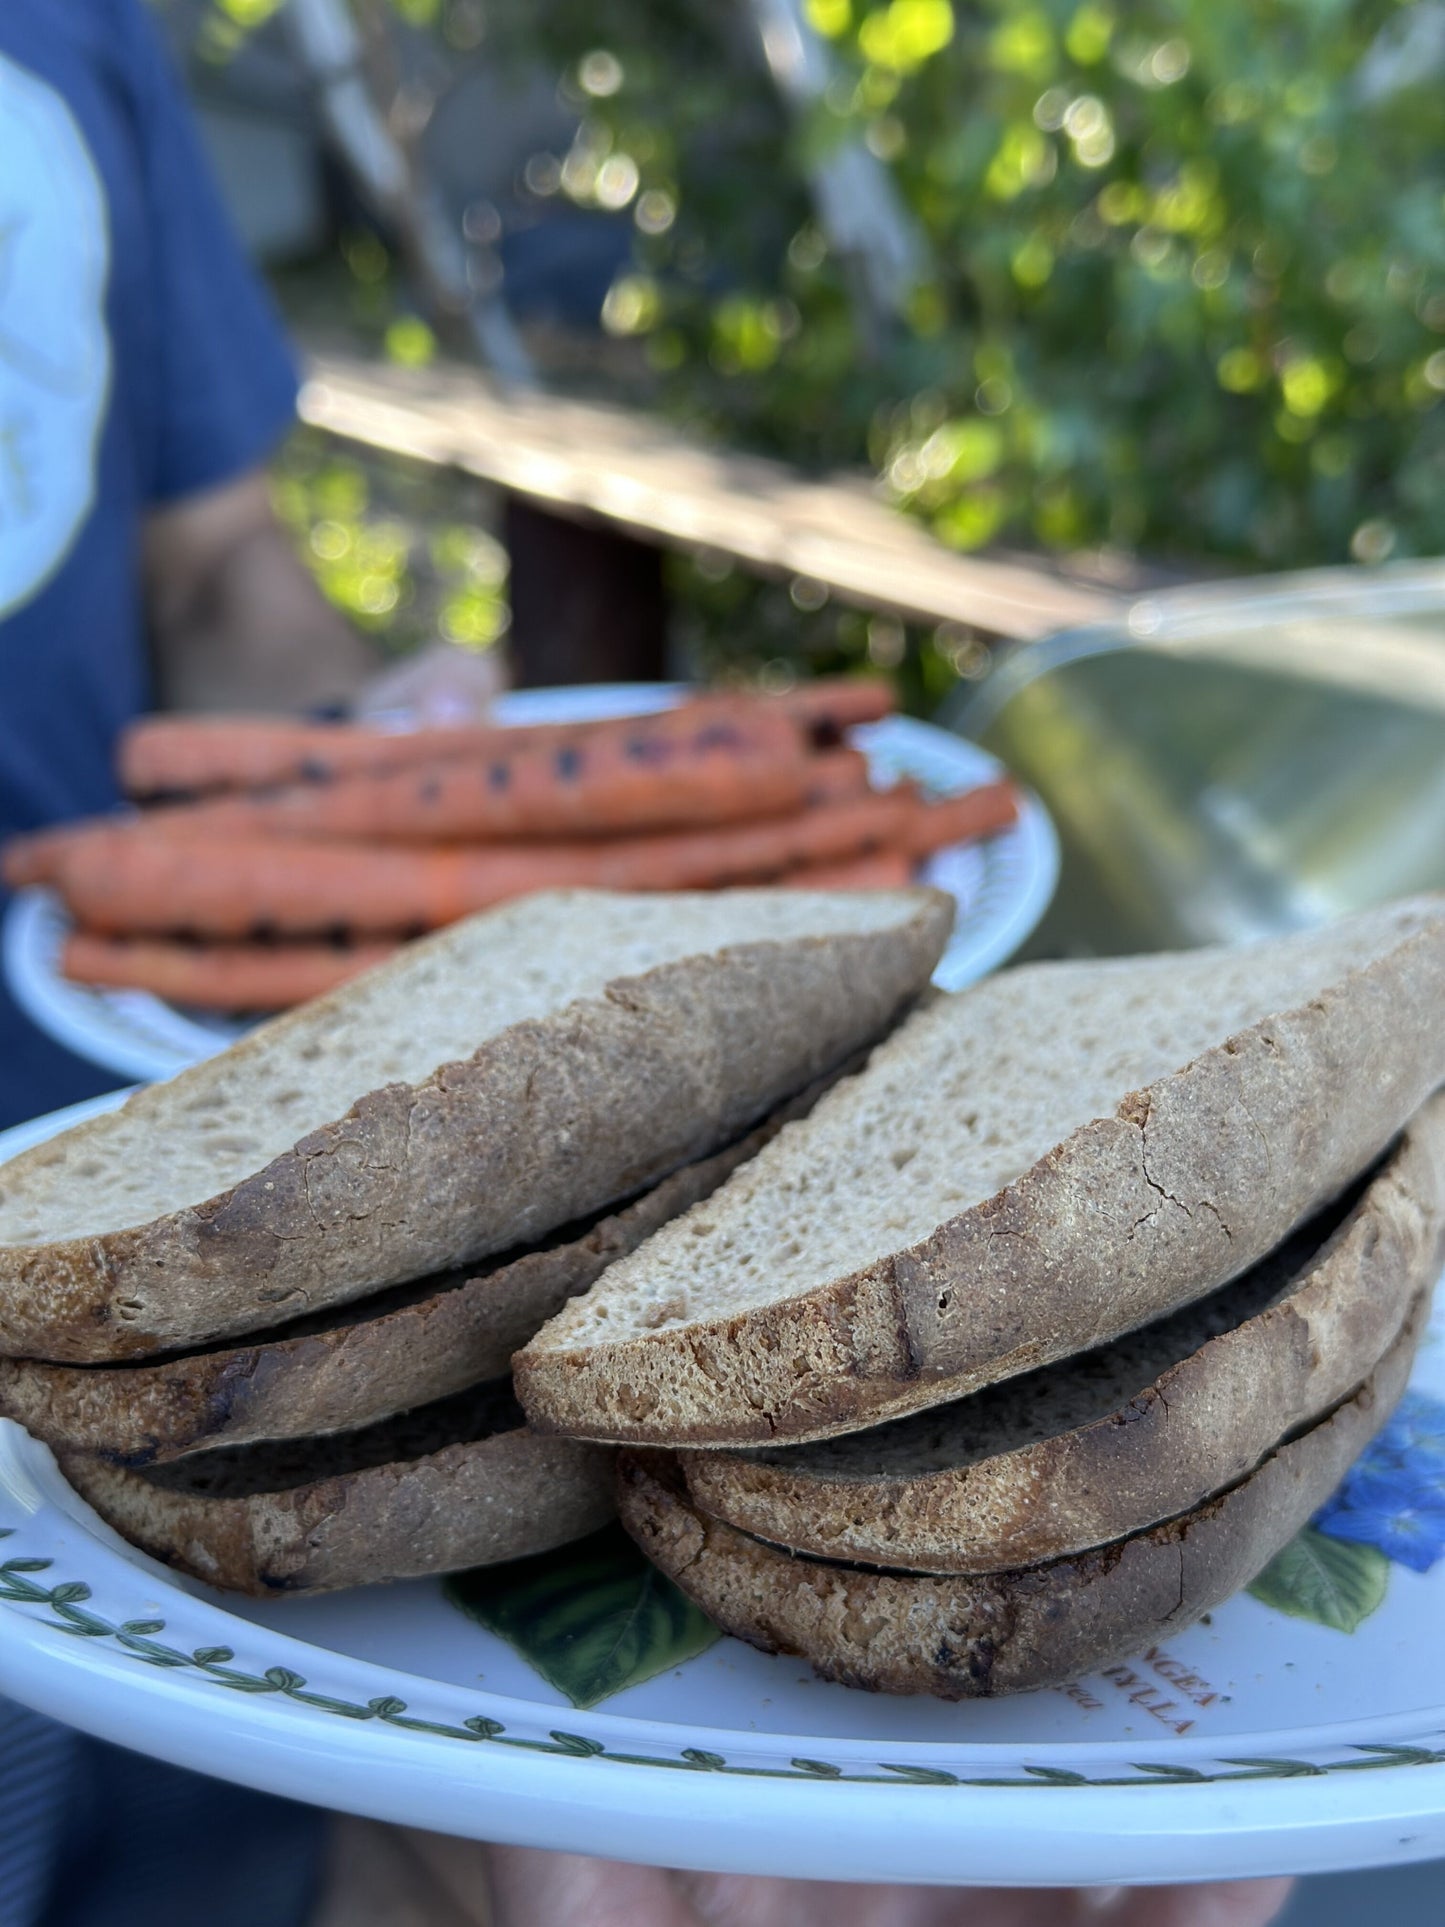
x=1416, y=1430
x=1394, y=1495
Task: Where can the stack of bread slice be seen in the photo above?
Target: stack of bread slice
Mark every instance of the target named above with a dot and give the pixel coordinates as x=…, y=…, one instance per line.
x=1039, y=1336
x=264, y=1313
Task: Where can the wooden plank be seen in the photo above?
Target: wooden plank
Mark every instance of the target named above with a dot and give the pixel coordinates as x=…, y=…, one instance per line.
x=595, y=463
x=587, y=600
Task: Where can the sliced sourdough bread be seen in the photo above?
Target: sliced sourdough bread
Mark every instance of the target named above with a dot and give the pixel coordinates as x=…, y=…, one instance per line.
x=350, y=1366
x=1084, y=1452
x=971, y=1637
x=1024, y=1171
x=462, y=1482
x=515, y=1072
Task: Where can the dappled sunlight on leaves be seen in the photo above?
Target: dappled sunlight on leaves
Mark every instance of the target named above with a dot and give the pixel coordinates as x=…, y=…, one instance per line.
x=1208, y=252
x=379, y=535
x=1182, y=288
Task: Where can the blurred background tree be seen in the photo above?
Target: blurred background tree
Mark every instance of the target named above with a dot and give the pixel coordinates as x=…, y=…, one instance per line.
x=1180, y=283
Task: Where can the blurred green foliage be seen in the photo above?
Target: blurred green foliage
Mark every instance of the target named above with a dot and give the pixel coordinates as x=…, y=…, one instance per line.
x=1184, y=292
x=1186, y=283
x=399, y=547
x=225, y=24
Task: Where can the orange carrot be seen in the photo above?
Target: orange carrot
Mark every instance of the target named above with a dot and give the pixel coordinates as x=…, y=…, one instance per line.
x=833, y=704
x=34, y=857
x=162, y=756
x=656, y=789
x=835, y=773
x=652, y=775
x=237, y=976
x=392, y=889
x=169, y=756
x=963, y=818
x=166, y=756
x=134, y=881
x=882, y=870
x=130, y=880
x=756, y=852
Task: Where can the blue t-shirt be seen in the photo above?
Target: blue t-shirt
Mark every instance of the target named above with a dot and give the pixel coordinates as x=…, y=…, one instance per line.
x=140, y=362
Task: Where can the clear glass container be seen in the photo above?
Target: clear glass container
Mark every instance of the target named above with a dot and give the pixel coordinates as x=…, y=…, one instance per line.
x=1231, y=762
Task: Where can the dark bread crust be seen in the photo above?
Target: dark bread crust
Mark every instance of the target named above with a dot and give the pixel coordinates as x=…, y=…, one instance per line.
x=1318, y=1317
x=975, y=1637
x=1190, y=1182
x=358, y=1363
x=555, y=1118
x=252, y=1520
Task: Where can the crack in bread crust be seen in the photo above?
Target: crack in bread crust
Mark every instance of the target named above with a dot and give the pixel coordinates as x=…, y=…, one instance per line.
x=1005, y=1632
x=351, y=1364
x=1266, y=1127
x=1113, y=1441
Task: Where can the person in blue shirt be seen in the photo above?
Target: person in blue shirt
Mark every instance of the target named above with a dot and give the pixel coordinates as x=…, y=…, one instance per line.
x=144, y=382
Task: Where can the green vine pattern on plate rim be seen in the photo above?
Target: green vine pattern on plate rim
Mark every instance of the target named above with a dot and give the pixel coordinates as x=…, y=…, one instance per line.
x=137, y=1639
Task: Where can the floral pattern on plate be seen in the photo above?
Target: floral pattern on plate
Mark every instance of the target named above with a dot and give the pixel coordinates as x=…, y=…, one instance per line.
x=1390, y=1506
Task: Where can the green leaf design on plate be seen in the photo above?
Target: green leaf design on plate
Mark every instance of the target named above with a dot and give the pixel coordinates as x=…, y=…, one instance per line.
x=592, y=1617
x=1334, y=1582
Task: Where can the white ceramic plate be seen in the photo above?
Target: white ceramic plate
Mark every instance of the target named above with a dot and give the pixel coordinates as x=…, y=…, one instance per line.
x=1266, y=1741
x=1003, y=886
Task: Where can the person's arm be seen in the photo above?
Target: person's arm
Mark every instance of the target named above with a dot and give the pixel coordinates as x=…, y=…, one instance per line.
x=455, y=1883
x=236, y=621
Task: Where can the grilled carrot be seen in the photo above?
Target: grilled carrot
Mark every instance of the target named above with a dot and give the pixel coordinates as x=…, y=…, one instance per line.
x=359, y=804
x=882, y=870
x=757, y=852
x=705, y=762
x=166, y=756
x=34, y=857
x=233, y=976
x=127, y=877
x=130, y=880
x=835, y=773
x=162, y=757
x=931, y=826
x=652, y=775
x=833, y=704
x=962, y=819
x=134, y=881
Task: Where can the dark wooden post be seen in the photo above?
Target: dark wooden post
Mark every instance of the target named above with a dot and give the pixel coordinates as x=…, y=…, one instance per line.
x=587, y=600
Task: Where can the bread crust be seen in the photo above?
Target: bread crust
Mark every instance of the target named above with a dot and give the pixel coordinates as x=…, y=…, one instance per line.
x=418, y=1344
x=1190, y=1182
x=470, y=1504
x=984, y=1635
x=1199, y=1427
x=551, y=1120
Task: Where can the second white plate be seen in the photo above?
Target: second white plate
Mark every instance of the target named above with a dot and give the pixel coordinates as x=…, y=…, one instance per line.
x=1272, y=1739
x=1002, y=887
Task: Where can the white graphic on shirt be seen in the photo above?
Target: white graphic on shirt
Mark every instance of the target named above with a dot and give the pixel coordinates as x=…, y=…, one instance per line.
x=54, y=349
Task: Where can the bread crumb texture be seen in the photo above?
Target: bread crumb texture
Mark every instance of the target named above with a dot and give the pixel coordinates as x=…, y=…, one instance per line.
x=1005, y=1632
x=1084, y=1451
x=180, y=1143
x=950, y=1211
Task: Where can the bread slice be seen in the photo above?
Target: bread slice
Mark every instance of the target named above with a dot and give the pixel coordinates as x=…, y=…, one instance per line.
x=517, y=1071
x=967, y=1638
x=350, y=1366
x=462, y=1482
x=1083, y=1452
x=1024, y=1171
